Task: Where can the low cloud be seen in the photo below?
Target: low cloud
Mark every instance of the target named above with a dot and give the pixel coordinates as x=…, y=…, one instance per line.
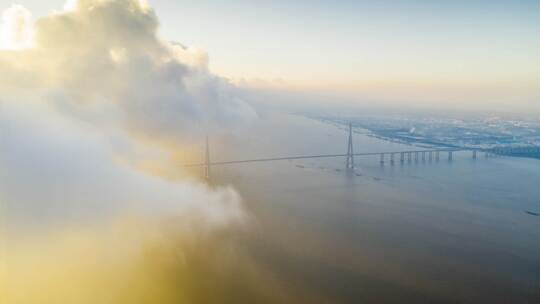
x=109, y=52
x=95, y=111
x=91, y=92
x=58, y=169
x=17, y=29
x=96, y=114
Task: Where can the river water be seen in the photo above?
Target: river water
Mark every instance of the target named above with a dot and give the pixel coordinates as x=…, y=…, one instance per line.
x=461, y=231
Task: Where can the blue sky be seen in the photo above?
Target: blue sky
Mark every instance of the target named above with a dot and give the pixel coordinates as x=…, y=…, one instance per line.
x=480, y=48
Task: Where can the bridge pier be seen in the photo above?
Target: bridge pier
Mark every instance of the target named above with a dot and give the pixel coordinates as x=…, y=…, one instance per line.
x=382, y=158
x=402, y=157
x=416, y=156
x=392, y=158
x=424, y=156
x=450, y=155
x=437, y=155
x=430, y=155
x=409, y=155
x=474, y=154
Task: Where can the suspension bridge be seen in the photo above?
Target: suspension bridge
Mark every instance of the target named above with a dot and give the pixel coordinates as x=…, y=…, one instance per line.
x=385, y=156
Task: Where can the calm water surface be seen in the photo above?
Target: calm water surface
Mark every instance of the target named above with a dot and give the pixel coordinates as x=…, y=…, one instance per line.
x=437, y=232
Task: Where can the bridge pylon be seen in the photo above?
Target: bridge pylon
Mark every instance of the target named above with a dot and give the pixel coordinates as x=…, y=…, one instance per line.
x=350, y=150
x=207, y=161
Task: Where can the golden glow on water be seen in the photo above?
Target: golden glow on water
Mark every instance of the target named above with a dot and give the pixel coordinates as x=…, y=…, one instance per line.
x=119, y=97
x=131, y=261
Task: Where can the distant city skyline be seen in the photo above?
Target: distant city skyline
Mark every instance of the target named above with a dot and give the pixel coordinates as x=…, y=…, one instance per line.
x=440, y=51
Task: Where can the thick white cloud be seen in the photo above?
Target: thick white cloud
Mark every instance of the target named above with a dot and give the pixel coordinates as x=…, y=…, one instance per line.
x=108, y=51
x=92, y=88
x=17, y=28
x=94, y=108
x=56, y=169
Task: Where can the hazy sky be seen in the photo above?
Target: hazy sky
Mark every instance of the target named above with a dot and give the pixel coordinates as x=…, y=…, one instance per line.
x=484, y=49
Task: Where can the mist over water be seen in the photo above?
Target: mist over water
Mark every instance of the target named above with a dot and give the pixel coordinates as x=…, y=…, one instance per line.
x=98, y=114
x=438, y=232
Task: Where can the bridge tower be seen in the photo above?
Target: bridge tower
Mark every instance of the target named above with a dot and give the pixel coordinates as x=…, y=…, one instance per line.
x=207, y=161
x=350, y=150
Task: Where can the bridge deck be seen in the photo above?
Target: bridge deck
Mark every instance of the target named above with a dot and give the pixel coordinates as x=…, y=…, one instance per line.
x=318, y=156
